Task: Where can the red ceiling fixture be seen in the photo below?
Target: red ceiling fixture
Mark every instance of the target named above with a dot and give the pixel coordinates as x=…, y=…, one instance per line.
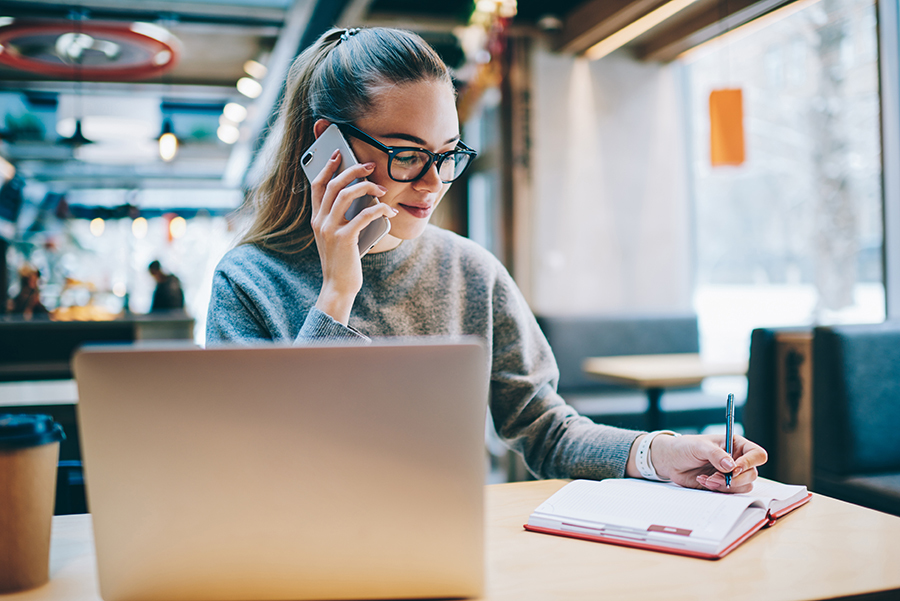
x=89, y=50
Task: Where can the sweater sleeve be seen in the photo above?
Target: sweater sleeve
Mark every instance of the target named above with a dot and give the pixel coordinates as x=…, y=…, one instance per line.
x=232, y=316
x=530, y=416
x=319, y=326
x=245, y=308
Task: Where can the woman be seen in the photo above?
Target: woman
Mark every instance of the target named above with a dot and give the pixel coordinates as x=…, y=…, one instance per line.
x=297, y=274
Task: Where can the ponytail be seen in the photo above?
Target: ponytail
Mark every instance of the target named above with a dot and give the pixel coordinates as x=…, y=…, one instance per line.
x=334, y=79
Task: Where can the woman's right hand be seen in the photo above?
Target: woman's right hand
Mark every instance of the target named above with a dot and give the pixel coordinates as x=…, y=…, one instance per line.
x=337, y=238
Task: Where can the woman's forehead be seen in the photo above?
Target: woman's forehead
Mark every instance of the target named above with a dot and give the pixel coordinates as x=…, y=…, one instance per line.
x=425, y=110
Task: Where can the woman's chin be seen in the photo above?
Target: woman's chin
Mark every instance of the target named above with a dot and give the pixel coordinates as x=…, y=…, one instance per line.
x=403, y=230
x=387, y=243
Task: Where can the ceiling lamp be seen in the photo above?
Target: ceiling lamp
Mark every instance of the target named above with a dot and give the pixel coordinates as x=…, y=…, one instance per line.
x=76, y=138
x=249, y=87
x=168, y=142
x=235, y=112
x=103, y=51
x=255, y=69
x=228, y=133
x=107, y=118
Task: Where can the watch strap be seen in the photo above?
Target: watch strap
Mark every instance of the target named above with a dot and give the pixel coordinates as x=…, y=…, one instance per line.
x=644, y=464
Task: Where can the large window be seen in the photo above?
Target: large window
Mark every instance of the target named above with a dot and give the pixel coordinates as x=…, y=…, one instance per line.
x=794, y=235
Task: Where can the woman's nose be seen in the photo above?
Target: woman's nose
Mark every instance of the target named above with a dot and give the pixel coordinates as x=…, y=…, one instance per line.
x=431, y=181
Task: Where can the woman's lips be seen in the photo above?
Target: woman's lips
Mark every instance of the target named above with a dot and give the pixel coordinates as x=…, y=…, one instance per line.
x=417, y=212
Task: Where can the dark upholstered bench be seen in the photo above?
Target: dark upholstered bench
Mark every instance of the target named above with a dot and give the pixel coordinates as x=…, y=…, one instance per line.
x=761, y=417
x=574, y=338
x=856, y=414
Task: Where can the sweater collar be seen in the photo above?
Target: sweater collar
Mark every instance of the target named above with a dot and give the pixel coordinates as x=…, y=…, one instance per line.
x=390, y=259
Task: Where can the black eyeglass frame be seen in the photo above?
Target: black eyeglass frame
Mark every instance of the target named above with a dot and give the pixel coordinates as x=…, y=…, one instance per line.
x=392, y=151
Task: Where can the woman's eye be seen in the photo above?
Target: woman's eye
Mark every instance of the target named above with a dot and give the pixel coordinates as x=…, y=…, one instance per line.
x=408, y=159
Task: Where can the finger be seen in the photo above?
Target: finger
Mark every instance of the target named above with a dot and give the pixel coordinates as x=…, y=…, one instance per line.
x=318, y=183
x=349, y=194
x=749, y=454
x=745, y=478
x=716, y=456
x=739, y=477
x=703, y=482
x=349, y=175
x=370, y=214
x=342, y=180
x=716, y=483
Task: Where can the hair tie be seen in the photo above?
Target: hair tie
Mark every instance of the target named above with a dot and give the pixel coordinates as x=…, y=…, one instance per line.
x=347, y=33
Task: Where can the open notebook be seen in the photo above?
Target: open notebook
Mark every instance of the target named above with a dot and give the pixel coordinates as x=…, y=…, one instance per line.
x=664, y=516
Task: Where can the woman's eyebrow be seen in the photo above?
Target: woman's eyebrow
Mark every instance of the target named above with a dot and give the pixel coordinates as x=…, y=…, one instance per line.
x=417, y=140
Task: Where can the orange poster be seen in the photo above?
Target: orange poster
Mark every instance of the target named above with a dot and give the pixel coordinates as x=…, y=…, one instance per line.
x=726, y=127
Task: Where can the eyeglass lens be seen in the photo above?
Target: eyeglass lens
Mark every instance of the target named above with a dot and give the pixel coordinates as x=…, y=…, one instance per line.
x=408, y=165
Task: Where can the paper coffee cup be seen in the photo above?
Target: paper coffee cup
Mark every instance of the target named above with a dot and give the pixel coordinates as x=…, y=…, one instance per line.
x=29, y=450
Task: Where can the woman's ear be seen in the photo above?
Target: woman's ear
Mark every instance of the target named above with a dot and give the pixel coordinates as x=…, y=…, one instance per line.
x=319, y=127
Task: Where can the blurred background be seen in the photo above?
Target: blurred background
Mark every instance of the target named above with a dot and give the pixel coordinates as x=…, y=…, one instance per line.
x=733, y=161
x=130, y=132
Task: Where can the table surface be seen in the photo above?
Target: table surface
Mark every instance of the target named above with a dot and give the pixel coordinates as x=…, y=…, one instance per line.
x=672, y=370
x=826, y=549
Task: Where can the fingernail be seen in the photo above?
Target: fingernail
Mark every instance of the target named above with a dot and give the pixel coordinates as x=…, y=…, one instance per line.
x=727, y=463
x=369, y=166
x=711, y=483
x=394, y=210
x=702, y=480
x=335, y=155
x=382, y=188
x=737, y=470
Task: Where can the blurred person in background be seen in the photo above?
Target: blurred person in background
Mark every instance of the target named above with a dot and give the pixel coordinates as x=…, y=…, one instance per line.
x=28, y=300
x=168, y=294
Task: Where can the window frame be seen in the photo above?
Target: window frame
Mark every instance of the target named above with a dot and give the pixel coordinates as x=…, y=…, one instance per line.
x=889, y=70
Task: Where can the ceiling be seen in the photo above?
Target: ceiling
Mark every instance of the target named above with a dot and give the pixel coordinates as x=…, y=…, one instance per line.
x=214, y=40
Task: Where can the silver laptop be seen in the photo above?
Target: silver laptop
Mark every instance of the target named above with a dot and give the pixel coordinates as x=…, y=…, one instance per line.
x=261, y=473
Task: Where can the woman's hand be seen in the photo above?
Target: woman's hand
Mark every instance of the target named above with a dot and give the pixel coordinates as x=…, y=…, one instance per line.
x=337, y=238
x=701, y=461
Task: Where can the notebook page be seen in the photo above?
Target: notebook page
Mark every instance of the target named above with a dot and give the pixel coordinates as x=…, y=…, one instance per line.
x=637, y=505
x=776, y=495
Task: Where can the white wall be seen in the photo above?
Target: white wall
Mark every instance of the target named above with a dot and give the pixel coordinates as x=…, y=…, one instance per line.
x=611, y=217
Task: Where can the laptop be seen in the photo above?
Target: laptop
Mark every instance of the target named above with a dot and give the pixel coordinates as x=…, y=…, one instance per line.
x=326, y=472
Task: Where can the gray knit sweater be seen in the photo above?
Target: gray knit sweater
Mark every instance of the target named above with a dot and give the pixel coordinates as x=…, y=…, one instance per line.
x=438, y=284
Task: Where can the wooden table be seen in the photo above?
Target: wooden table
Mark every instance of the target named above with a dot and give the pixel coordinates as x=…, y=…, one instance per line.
x=827, y=549
x=655, y=373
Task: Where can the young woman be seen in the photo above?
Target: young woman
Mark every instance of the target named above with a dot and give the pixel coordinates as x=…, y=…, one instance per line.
x=297, y=274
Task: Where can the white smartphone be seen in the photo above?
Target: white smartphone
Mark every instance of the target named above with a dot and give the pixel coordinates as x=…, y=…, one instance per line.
x=314, y=160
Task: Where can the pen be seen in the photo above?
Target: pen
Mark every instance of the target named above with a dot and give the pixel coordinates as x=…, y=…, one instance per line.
x=729, y=433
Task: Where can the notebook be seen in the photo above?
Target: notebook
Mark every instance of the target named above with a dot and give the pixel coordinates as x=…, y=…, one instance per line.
x=339, y=472
x=663, y=516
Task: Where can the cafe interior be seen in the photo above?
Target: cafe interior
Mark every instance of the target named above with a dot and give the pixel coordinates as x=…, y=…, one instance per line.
x=705, y=192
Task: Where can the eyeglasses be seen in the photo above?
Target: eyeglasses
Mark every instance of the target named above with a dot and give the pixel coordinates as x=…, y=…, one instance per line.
x=407, y=164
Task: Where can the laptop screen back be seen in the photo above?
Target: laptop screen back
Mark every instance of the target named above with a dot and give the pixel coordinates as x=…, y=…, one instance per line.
x=285, y=473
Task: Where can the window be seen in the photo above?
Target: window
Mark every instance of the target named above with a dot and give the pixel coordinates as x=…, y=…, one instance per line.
x=794, y=235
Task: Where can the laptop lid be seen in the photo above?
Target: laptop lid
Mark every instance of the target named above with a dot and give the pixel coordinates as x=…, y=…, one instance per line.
x=339, y=472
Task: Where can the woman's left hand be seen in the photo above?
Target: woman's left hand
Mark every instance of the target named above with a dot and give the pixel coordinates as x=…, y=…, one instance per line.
x=701, y=461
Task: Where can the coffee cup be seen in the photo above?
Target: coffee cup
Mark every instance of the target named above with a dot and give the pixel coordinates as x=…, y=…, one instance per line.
x=29, y=450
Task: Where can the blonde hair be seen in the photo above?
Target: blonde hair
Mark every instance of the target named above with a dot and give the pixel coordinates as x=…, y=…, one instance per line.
x=335, y=79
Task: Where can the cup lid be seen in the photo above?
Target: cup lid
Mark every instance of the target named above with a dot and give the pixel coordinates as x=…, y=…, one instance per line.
x=20, y=431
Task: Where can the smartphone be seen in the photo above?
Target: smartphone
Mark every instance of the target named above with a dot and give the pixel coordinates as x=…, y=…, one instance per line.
x=314, y=160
